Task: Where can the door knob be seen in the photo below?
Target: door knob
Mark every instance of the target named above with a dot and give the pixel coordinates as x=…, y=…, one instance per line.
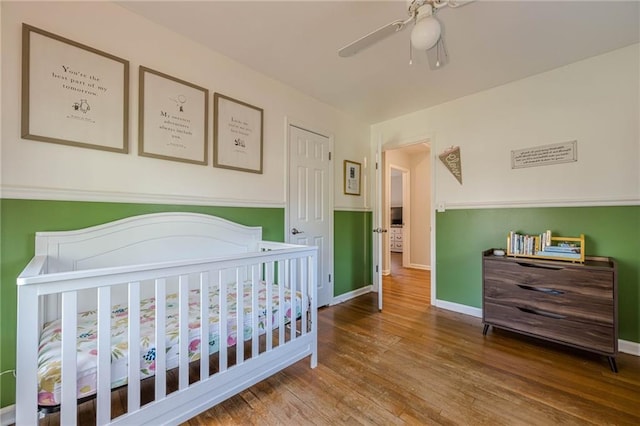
x=294, y=231
x=379, y=230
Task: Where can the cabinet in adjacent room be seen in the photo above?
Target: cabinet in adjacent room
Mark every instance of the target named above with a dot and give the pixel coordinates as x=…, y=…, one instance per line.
x=569, y=303
x=395, y=239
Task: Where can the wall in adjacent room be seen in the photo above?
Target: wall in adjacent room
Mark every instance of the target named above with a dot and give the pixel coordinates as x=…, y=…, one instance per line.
x=418, y=163
x=421, y=209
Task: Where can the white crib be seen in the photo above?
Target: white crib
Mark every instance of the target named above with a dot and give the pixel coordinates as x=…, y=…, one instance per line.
x=200, y=262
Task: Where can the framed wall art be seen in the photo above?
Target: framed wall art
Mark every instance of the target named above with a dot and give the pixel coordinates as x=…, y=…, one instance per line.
x=237, y=137
x=351, y=177
x=73, y=94
x=172, y=118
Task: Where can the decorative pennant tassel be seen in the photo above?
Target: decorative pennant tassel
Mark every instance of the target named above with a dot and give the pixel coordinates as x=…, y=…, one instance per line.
x=451, y=159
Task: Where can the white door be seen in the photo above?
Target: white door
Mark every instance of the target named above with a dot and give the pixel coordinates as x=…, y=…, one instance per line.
x=378, y=228
x=309, y=207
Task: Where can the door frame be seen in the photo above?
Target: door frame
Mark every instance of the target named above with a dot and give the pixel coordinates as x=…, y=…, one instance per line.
x=395, y=144
x=300, y=124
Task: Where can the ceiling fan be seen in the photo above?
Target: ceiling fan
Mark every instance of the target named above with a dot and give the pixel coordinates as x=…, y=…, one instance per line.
x=426, y=35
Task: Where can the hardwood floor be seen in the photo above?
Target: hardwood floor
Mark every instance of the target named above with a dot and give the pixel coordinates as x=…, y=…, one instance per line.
x=416, y=364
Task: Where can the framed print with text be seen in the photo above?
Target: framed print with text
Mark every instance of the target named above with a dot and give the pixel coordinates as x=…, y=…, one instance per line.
x=172, y=118
x=237, y=136
x=351, y=177
x=73, y=94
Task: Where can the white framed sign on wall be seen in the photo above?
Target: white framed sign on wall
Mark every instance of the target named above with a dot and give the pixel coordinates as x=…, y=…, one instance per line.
x=73, y=94
x=237, y=136
x=172, y=118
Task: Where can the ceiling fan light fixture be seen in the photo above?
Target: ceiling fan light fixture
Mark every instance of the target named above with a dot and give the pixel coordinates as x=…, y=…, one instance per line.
x=425, y=33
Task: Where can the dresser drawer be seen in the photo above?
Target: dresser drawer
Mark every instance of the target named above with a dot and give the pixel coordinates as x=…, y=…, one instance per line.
x=552, y=298
x=553, y=326
x=570, y=279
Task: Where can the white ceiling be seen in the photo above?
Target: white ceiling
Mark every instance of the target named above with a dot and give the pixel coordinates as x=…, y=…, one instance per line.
x=489, y=42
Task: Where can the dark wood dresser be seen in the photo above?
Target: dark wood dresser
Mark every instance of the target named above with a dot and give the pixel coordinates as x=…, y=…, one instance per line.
x=569, y=303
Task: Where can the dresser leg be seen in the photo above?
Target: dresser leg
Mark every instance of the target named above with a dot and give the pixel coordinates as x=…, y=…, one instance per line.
x=612, y=364
x=486, y=328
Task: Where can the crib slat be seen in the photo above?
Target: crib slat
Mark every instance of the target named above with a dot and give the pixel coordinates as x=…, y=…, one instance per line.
x=69, y=358
x=313, y=286
x=292, y=296
x=204, y=325
x=27, y=347
x=224, y=315
x=255, y=312
x=239, y=318
x=133, y=392
x=161, y=326
x=283, y=274
x=183, y=312
x=304, y=279
x=269, y=310
x=103, y=397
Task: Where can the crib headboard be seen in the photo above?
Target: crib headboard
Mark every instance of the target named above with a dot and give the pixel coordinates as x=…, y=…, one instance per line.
x=149, y=238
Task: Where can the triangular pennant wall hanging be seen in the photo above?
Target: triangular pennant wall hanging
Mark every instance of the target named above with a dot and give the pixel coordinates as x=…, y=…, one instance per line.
x=451, y=159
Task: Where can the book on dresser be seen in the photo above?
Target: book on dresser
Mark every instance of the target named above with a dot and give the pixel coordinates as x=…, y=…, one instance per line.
x=546, y=246
x=574, y=304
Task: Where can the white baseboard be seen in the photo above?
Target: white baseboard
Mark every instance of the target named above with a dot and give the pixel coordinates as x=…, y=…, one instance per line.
x=627, y=347
x=418, y=266
x=8, y=415
x=456, y=307
x=624, y=346
x=350, y=295
x=386, y=272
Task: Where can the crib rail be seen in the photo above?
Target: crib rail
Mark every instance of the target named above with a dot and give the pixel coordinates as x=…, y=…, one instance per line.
x=281, y=267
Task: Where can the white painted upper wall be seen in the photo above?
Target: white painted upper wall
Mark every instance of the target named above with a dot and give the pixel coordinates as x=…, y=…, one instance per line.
x=32, y=169
x=595, y=101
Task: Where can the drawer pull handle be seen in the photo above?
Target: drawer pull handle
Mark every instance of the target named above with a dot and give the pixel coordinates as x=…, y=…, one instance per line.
x=533, y=265
x=541, y=289
x=542, y=313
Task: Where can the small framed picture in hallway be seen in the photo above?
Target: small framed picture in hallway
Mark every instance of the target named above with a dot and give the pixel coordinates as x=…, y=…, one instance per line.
x=351, y=177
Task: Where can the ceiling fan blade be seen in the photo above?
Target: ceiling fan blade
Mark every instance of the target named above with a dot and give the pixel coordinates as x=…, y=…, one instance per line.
x=438, y=56
x=458, y=3
x=373, y=37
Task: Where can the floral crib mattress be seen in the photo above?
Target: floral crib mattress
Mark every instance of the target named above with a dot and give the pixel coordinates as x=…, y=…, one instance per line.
x=49, y=351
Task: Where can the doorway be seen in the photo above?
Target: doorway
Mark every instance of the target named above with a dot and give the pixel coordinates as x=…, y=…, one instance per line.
x=406, y=201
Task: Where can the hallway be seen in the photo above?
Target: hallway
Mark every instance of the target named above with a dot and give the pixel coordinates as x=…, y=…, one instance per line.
x=406, y=287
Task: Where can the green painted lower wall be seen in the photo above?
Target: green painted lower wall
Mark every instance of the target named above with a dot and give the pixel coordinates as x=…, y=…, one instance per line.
x=20, y=219
x=461, y=235
x=352, y=251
